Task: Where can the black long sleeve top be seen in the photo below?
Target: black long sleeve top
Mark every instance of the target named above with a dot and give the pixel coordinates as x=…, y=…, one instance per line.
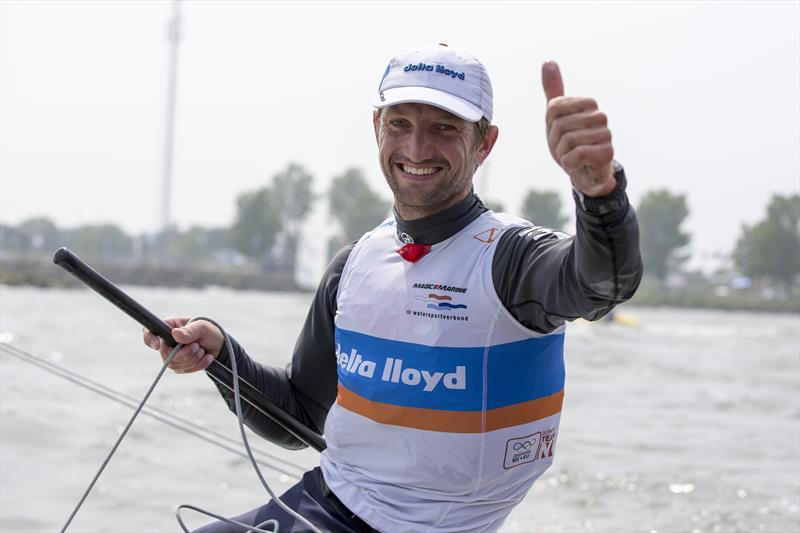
x=542, y=276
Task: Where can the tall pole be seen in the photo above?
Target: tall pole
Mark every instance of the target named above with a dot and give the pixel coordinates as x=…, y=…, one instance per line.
x=169, y=129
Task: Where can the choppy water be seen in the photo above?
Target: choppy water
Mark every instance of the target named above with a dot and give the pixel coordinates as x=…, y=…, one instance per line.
x=688, y=422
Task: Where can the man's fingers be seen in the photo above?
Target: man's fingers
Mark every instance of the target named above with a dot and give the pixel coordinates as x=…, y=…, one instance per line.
x=552, y=82
x=201, y=342
x=189, y=358
x=201, y=332
x=568, y=105
x=185, y=334
x=184, y=354
x=587, y=120
x=191, y=332
x=196, y=364
x=597, y=156
x=150, y=340
x=177, y=321
x=573, y=139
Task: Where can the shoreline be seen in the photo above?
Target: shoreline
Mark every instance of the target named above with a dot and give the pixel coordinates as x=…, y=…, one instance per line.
x=44, y=274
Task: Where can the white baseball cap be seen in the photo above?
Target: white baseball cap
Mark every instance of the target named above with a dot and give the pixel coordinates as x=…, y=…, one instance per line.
x=448, y=78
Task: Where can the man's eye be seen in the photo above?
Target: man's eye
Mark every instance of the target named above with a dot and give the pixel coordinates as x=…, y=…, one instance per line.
x=399, y=123
x=445, y=127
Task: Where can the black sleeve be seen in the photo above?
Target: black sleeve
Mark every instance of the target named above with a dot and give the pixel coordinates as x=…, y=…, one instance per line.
x=545, y=277
x=306, y=387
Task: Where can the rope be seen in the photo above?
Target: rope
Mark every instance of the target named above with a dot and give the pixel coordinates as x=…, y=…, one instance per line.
x=166, y=417
x=122, y=436
x=139, y=408
x=238, y=404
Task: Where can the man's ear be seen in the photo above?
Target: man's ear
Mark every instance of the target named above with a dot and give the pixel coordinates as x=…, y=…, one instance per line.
x=376, y=124
x=486, y=145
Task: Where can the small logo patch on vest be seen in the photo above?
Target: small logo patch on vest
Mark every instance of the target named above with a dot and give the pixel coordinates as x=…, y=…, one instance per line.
x=487, y=236
x=439, y=305
x=439, y=287
x=531, y=448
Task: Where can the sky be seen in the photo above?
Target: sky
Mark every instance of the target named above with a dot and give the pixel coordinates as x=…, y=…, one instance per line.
x=703, y=99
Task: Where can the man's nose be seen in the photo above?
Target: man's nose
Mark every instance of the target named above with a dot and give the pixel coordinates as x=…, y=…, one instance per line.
x=419, y=146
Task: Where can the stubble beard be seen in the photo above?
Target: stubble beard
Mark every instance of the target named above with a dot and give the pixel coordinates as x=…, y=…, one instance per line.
x=418, y=202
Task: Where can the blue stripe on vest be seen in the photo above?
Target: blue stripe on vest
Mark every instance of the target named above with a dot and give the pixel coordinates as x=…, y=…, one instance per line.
x=433, y=377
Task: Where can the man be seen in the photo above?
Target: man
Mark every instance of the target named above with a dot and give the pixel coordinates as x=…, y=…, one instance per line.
x=432, y=355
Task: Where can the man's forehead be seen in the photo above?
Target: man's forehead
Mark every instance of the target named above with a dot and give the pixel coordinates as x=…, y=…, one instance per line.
x=414, y=108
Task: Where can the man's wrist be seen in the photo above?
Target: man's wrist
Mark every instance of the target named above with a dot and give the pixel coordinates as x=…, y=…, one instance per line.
x=609, y=203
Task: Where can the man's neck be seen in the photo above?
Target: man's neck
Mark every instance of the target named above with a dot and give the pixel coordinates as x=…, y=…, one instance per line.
x=410, y=212
x=442, y=224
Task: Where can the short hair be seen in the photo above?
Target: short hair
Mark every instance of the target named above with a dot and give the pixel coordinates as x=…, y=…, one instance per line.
x=482, y=127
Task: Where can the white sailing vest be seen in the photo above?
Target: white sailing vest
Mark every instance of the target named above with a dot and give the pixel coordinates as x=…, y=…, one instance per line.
x=448, y=408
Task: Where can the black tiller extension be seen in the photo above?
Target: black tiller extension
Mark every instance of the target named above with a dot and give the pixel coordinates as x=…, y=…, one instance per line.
x=218, y=371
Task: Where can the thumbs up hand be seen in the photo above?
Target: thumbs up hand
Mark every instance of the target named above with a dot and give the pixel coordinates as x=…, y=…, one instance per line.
x=578, y=136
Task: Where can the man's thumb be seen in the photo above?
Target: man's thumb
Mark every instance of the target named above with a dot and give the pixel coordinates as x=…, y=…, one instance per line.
x=551, y=80
x=188, y=333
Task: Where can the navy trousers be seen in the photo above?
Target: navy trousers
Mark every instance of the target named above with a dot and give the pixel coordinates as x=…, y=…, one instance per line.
x=312, y=499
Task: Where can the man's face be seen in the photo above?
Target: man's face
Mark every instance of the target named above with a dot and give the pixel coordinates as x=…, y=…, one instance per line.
x=428, y=156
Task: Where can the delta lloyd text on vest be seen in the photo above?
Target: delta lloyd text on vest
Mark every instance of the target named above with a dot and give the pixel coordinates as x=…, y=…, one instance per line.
x=393, y=372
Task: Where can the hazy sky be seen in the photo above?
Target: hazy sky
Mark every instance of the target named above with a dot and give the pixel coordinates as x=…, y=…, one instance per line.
x=702, y=98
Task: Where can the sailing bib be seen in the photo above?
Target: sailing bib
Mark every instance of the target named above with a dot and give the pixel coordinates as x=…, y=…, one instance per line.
x=448, y=408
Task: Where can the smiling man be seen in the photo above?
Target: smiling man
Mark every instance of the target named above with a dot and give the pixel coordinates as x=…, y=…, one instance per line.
x=428, y=156
x=432, y=355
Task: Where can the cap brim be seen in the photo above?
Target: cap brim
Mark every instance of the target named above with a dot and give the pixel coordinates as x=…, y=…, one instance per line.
x=425, y=95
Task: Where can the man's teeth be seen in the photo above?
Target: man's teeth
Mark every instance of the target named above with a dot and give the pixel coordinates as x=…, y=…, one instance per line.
x=418, y=171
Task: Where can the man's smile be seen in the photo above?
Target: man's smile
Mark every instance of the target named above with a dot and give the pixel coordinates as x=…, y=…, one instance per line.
x=418, y=172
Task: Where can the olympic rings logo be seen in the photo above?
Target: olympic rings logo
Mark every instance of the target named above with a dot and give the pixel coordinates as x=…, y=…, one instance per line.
x=523, y=446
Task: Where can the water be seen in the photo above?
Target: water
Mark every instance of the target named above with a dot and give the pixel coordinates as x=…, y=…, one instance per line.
x=688, y=422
